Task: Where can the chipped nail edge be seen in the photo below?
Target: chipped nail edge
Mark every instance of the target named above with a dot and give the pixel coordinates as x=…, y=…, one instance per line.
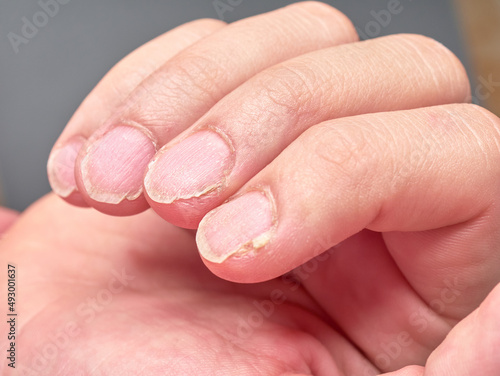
x=55, y=183
x=157, y=197
x=246, y=249
x=107, y=197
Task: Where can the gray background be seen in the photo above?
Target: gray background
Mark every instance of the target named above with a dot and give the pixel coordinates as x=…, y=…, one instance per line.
x=42, y=84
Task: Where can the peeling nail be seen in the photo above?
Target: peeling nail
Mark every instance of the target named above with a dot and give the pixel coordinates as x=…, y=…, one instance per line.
x=192, y=168
x=61, y=167
x=113, y=168
x=236, y=228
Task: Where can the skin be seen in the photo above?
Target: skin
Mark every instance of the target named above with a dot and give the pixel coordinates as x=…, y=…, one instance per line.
x=7, y=219
x=168, y=315
x=378, y=183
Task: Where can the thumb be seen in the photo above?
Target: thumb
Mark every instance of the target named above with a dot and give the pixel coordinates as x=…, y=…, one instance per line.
x=407, y=371
x=472, y=346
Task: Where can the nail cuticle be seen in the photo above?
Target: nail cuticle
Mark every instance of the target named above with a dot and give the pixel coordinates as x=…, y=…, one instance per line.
x=61, y=165
x=197, y=166
x=256, y=215
x=126, y=152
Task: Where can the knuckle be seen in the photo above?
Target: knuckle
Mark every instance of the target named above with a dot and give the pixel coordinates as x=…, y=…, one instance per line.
x=434, y=57
x=290, y=89
x=193, y=71
x=188, y=76
x=485, y=128
x=415, y=40
x=481, y=115
x=481, y=142
x=347, y=153
x=428, y=46
x=467, y=131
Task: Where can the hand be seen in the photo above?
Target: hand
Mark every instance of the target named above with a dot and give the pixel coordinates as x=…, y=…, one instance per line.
x=7, y=219
x=99, y=295
x=397, y=190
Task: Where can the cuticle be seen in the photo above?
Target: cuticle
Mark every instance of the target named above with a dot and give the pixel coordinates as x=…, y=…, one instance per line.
x=139, y=127
x=248, y=247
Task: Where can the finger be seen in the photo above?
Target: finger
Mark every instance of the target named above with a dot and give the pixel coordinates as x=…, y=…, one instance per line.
x=110, y=169
x=404, y=171
x=362, y=290
x=469, y=349
x=251, y=126
x=7, y=218
x=109, y=94
x=65, y=256
x=407, y=371
x=472, y=346
x=68, y=249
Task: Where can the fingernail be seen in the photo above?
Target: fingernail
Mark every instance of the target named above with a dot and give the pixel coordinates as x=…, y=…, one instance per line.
x=113, y=168
x=237, y=228
x=61, y=167
x=193, y=167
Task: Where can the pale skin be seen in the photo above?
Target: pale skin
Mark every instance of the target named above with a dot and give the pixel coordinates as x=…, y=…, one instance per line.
x=349, y=186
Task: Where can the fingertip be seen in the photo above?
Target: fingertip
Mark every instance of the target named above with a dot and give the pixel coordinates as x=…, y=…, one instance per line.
x=61, y=169
x=407, y=371
x=240, y=270
x=110, y=169
x=232, y=238
x=184, y=181
x=112, y=163
x=457, y=79
x=76, y=199
x=236, y=229
x=204, y=24
x=7, y=218
x=182, y=213
x=122, y=209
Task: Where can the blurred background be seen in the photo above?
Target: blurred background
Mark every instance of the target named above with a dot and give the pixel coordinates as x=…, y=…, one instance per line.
x=43, y=78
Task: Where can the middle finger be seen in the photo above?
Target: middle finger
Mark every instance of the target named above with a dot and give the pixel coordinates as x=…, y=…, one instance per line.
x=247, y=129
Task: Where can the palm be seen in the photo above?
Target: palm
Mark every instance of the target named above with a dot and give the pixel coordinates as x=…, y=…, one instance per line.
x=115, y=296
